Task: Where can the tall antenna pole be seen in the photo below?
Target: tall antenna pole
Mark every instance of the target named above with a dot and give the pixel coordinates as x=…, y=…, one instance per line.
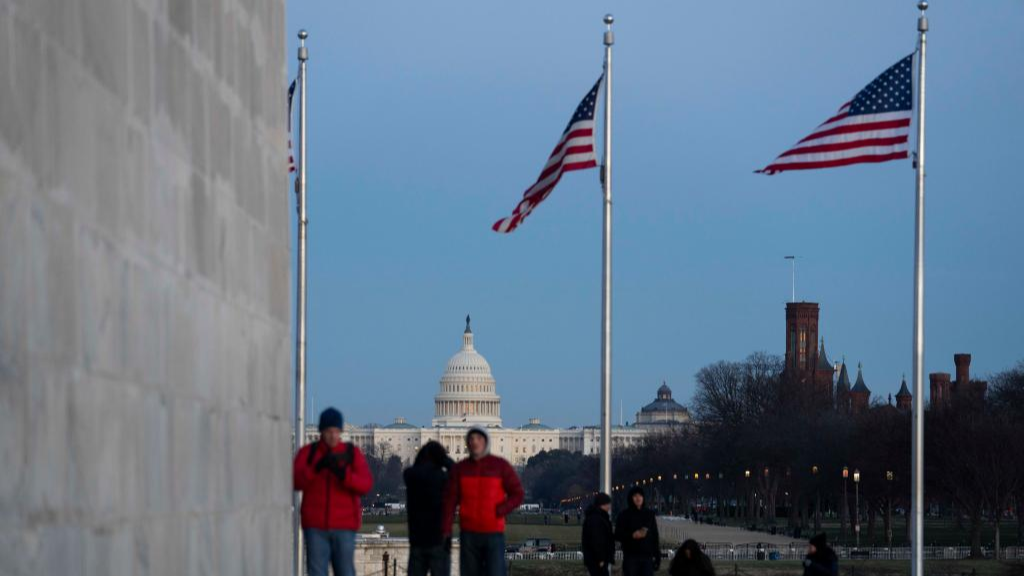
x=606, y=280
x=793, y=260
x=300, y=333
x=917, y=492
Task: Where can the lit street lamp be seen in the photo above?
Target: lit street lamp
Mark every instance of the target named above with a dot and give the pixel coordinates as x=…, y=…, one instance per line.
x=845, y=507
x=856, y=506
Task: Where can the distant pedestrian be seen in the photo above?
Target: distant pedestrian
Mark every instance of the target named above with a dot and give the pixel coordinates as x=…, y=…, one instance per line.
x=821, y=560
x=637, y=529
x=566, y=516
x=690, y=560
x=485, y=488
x=598, y=538
x=429, y=549
x=547, y=519
x=332, y=476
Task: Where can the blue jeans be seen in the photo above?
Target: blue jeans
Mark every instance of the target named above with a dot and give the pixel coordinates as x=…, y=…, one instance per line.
x=481, y=554
x=334, y=547
x=433, y=559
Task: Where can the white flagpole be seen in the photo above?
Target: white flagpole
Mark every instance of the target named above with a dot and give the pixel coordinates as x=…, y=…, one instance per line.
x=606, y=282
x=917, y=496
x=300, y=337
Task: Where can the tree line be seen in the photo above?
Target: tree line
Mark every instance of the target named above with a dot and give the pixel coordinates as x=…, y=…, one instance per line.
x=765, y=453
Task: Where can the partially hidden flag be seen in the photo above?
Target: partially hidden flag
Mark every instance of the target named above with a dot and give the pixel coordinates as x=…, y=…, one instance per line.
x=574, y=151
x=873, y=127
x=291, y=157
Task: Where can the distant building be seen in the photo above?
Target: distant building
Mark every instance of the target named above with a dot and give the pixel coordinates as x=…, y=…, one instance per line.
x=807, y=370
x=943, y=390
x=468, y=397
x=664, y=411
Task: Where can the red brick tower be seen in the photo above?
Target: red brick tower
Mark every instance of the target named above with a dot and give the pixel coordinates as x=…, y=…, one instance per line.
x=942, y=390
x=806, y=370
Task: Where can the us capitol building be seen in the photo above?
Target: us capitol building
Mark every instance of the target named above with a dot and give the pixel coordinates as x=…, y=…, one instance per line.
x=469, y=397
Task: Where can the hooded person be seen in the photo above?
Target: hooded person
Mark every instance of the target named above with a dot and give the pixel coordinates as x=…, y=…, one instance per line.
x=598, y=539
x=429, y=550
x=690, y=560
x=485, y=488
x=332, y=476
x=637, y=529
x=821, y=560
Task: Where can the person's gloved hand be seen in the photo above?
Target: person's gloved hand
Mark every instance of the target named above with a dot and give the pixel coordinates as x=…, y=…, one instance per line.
x=328, y=461
x=338, y=470
x=344, y=459
x=807, y=562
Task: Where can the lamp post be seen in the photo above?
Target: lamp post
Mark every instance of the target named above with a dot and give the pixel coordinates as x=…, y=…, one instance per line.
x=817, y=499
x=856, y=506
x=746, y=488
x=844, y=510
x=888, y=508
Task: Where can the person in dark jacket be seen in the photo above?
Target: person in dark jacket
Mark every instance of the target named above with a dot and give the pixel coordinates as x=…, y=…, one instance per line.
x=821, y=560
x=690, y=560
x=429, y=549
x=332, y=476
x=598, y=538
x=637, y=530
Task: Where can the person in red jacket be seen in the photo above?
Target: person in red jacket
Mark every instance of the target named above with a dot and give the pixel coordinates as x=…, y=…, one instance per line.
x=332, y=475
x=486, y=489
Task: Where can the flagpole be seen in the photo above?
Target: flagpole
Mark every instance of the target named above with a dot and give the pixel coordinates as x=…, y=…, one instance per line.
x=606, y=281
x=300, y=337
x=917, y=496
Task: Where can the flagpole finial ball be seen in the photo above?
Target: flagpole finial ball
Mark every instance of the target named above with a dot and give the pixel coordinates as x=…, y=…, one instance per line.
x=303, y=34
x=922, y=5
x=608, y=19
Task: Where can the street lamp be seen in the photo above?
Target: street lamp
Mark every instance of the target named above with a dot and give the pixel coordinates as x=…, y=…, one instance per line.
x=856, y=505
x=817, y=499
x=845, y=511
x=888, y=508
x=746, y=484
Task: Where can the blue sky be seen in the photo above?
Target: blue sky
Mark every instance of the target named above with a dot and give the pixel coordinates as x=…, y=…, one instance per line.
x=428, y=120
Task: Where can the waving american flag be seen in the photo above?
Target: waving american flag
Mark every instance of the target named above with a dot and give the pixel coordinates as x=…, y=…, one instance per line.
x=873, y=127
x=575, y=151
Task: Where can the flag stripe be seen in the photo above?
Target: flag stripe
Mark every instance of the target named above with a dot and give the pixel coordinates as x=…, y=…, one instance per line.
x=836, y=146
x=865, y=158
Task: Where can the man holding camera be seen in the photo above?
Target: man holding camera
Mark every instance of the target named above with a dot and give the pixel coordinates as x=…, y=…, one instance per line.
x=332, y=476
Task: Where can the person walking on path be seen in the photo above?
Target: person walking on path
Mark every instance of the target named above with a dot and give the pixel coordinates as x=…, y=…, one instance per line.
x=486, y=489
x=332, y=476
x=690, y=560
x=598, y=538
x=821, y=560
x=429, y=550
x=637, y=530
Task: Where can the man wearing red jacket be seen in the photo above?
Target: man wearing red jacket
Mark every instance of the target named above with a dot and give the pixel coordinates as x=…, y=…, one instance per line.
x=332, y=475
x=486, y=489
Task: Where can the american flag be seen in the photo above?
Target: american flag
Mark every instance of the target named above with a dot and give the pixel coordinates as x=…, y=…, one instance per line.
x=575, y=151
x=873, y=127
x=291, y=158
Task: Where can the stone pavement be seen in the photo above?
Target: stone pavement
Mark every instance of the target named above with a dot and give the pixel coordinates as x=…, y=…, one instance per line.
x=675, y=529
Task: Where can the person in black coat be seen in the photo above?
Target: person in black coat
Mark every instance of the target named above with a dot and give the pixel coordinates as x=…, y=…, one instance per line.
x=637, y=530
x=821, y=560
x=690, y=560
x=429, y=550
x=598, y=538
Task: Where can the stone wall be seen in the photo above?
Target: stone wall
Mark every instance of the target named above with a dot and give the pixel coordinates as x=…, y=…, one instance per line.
x=145, y=350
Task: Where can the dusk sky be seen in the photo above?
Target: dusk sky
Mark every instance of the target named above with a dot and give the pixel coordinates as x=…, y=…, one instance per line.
x=427, y=121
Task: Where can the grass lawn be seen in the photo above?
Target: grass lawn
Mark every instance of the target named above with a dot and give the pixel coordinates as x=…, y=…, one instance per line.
x=751, y=568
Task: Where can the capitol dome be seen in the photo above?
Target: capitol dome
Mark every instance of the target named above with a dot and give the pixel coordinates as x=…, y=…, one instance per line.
x=468, y=394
